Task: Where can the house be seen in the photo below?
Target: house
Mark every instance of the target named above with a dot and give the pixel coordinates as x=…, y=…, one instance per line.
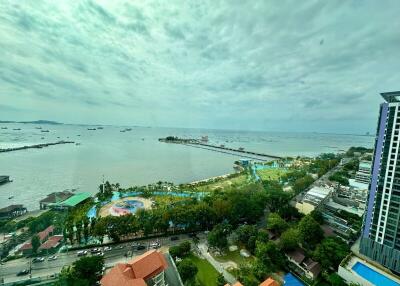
x=71, y=202
x=56, y=197
x=12, y=211
x=145, y=270
x=26, y=248
x=51, y=245
x=302, y=265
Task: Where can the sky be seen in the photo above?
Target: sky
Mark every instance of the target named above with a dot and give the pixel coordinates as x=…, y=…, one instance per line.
x=249, y=65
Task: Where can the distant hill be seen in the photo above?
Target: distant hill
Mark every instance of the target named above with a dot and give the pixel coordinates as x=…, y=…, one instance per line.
x=33, y=122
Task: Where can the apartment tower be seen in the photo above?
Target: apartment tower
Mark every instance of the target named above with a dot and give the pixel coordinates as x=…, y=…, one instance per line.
x=380, y=238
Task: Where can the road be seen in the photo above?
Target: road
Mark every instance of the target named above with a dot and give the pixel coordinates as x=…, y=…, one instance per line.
x=117, y=254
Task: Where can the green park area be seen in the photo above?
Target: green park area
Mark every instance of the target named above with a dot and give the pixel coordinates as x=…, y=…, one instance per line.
x=206, y=275
x=223, y=183
x=271, y=174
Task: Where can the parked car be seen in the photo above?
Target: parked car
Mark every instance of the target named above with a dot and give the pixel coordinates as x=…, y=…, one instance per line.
x=155, y=245
x=37, y=259
x=107, y=248
x=95, y=250
x=98, y=254
x=120, y=246
x=51, y=258
x=140, y=247
x=174, y=238
x=82, y=253
x=23, y=272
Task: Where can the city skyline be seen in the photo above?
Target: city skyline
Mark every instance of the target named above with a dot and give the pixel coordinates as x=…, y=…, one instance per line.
x=255, y=66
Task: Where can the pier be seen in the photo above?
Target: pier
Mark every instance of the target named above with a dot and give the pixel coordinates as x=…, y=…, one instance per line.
x=36, y=146
x=221, y=148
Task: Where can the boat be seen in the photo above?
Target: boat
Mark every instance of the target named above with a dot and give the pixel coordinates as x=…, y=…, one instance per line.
x=78, y=135
x=4, y=127
x=122, y=131
x=77, y=144
x=128, y=129
x=42, y=138
x=17, y=129
x=38, y=127
x=100, y=127
x=241, y=148
x=91, y=129
x=44, y=131
x=10, y=197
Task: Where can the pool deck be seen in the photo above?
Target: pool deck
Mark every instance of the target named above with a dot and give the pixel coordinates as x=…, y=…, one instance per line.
x=348, y=274
x=106, y=210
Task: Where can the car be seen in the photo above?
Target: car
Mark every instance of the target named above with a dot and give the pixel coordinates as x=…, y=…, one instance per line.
x=120, y=247
x=37, y=259
x=95, y=250
x=140, y=247
x=51, y=258
x=23, y=272
x=98, y=254
x=82, y=253
x=155, y=245
x=174, y=238
x=107, y=248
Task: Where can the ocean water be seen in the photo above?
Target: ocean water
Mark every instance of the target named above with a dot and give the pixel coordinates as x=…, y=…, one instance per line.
x=135, y=157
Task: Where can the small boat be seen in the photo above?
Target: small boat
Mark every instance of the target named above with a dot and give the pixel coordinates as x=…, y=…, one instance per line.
x=91, y=129
x=100, y=127
x=122, y=131
x=128, y=129
x=42, y=138
x=58, y=136
x=241, y=148
x=11, y=197
x=44, y=131
x=17, y=129
x=4, y=127
x=77, y=144
x=38, y=127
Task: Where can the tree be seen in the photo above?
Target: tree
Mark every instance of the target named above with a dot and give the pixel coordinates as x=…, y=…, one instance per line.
x=180, y=250
x=187, y=270
x=302, y=183
x=336, y=280
x=276, y=223
x=84, y=272
x=310, y=232
x=289, y=239
x=217, y=237
x=269, y=254
x=86, y=229
x=331, y=252
x=220, y=280
x=35, y=241
x=247, y=235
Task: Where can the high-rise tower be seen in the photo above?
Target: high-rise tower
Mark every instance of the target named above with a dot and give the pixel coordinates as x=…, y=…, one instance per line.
x=380, y=238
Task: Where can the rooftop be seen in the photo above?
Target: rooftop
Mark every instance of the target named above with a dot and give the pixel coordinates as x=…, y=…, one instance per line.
x=57, y=197
x=75, y=199
x=135, y=272
x=45, y=233
x=11, y=208
x=393, y=96
x=51, y=242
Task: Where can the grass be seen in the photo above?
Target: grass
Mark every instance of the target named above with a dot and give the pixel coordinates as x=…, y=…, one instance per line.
x=271, y=174
x=206, y=275
x=235, y=257
x=223, y=184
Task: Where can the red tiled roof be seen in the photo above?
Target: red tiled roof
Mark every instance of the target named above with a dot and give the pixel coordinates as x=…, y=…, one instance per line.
x=45, y=233
x=269, y=282
x=136, y=271
x=237, y=284
x=51, y=242
x=27, y=245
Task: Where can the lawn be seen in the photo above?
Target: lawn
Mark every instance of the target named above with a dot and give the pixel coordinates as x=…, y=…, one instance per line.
x=226, y=183
x=207, y=275
x=271, y=174
x=234, y=256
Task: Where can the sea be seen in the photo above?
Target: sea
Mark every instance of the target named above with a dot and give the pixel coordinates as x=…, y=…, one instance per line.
x=135, y=157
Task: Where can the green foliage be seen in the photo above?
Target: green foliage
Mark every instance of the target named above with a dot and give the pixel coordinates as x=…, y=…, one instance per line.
x=331, y=252
x=220, y=280
x=351, y=166
x=35, y=241
x=270, y=256
x=317, y=215
x=46, y=219
x=338, y=177
x=187, y=270
x=302, y=184
x=322, y=165
x=180, y=250
x=86, y=271
x=218, y=236
x=310, y=232
x=335, y=280
x=247, y=235
x=276, y=198
x=289, y=240
x=276, y=223
x=362, y=150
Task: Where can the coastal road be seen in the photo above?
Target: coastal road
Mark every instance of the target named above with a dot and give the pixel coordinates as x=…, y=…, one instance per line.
x=118, y=253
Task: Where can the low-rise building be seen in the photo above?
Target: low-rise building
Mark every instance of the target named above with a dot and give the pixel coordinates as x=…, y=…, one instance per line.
x=302, y=265
x=12, y=211
x=53, y=198
x=26, y=248
x=313, y=199
x=363, y=174
x=147, y=269
x=73, y=201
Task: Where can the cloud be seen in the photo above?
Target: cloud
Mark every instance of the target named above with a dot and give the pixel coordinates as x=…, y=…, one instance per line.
x=311, y=65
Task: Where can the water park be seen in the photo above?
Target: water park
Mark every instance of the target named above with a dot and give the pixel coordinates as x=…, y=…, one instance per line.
x=124, y=206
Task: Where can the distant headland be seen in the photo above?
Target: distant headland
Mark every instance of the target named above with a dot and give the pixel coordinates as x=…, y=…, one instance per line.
x=33, y=122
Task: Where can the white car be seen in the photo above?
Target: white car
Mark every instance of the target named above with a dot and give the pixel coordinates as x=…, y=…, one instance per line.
x=54, y=257
x=107, y=248
x=82, y=253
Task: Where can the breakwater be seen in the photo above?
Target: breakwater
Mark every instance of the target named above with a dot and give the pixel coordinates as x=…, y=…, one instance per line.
x=196, y=143
x=36, y=146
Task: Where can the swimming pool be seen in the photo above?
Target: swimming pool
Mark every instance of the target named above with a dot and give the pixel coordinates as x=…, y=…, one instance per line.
x=290, y=280
x=373, y=276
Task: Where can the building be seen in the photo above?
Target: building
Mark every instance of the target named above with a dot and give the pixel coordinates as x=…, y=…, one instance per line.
x=56, y=197
x=71, y=202
x=147, y=269
x=312, y=199
x=44, y=235
x=12, y=211
x=268, y=282
x=302, y=265
x=380, y=240
x=363, y=174
x=4, y=179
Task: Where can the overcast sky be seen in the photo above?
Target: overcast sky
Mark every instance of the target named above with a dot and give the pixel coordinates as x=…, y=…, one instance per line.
x=260, y=65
